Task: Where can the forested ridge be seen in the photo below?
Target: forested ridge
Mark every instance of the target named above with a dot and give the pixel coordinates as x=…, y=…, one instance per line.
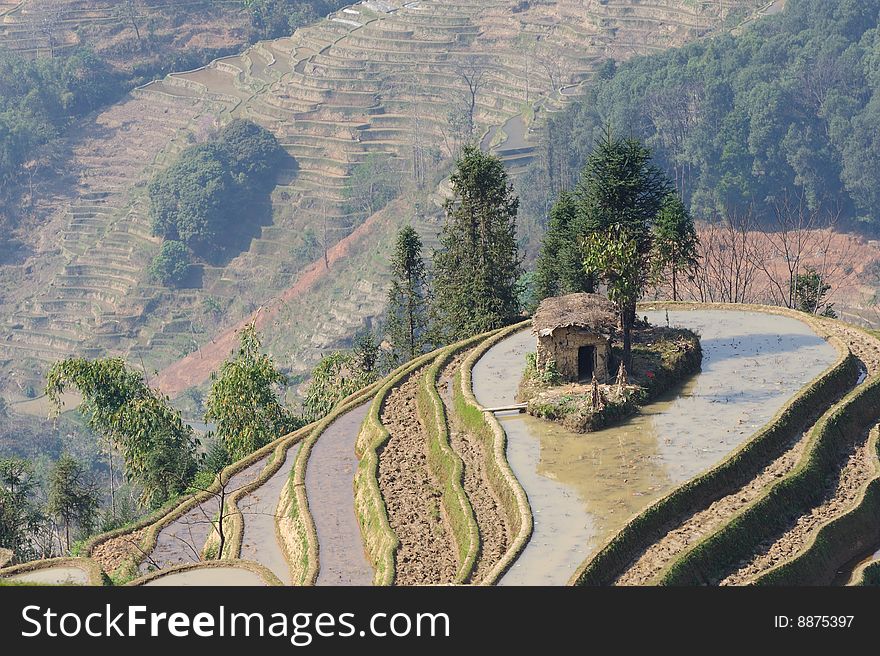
x=788, y=106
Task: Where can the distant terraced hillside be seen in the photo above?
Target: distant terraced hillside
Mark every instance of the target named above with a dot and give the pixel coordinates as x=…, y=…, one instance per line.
x=46, y=26
x=377, y=78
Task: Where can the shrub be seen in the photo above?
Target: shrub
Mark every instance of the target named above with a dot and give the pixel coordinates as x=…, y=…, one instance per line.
x=169, y=267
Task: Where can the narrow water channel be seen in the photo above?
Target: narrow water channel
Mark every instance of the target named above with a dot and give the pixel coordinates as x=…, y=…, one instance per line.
x=330, y=488
x=582, y=488
x=259, y=541
x=211, y=576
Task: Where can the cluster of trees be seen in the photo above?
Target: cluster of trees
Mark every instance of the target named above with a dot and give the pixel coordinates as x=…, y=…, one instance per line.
x=474, y=282
x=39, y=519
x=38, y=99
x=623, y=225
x=274, y=18
x=788, y=107
x=161, y=456
x=211, y=195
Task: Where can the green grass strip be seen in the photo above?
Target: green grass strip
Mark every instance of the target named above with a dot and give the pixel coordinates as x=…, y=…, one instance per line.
x=446, y=466
x=485, y=426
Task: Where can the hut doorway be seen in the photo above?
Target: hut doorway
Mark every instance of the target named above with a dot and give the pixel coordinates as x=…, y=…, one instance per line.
x=586, y=362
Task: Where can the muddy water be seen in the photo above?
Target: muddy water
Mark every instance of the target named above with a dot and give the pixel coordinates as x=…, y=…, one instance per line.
x=54, y=576
x=213, y=576
x=515, y=129
x=182, y=540
x=259, y=541
x=582, y=488
x=330, y=488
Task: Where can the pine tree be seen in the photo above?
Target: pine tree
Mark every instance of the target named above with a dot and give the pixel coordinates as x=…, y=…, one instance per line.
x=408, y=298
x=619, y=198
x=675, y=241
x=560, y=268
x=73, y=496
x=477, y=267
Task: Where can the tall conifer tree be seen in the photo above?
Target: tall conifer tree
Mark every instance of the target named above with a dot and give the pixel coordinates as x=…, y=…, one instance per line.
x=478, y=264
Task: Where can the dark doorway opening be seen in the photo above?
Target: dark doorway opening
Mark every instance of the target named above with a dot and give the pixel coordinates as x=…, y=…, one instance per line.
x=586, y=362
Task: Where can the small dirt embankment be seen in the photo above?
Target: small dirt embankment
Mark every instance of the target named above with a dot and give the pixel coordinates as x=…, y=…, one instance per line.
x=426, y=554
x=491, y=520
x=118, y=551
x=704, y=522
x=856, y=468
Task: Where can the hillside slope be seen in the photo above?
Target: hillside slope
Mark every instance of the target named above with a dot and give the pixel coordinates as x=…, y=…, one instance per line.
x=375, y=80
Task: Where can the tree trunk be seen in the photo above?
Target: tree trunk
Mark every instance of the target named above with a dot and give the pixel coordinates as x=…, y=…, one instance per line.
x=627, y=318
x=112, y=486
x=674, y=289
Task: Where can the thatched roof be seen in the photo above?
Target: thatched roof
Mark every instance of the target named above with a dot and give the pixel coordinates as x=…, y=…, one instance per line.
x=592, y=312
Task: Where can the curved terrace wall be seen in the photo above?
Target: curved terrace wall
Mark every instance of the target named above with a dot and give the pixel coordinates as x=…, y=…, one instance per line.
x=797, y=491
x=295, y=528
x=488, y=429
x=734, y=471
x=838, y=540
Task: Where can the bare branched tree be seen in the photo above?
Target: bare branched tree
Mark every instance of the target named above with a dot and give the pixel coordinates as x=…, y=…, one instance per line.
x=474, y=76
x=796, y=232
x=730, y=253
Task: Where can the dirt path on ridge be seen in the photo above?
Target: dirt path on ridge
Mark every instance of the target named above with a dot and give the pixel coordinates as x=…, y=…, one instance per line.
x=197, y=367
x=426, y=554
x=491, y=520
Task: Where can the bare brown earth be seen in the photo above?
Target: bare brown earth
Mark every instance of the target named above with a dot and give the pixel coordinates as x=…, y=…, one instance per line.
x=114, y=552
x=491, y=520
x=856, y=469
x=704, y=522
x=426, y=554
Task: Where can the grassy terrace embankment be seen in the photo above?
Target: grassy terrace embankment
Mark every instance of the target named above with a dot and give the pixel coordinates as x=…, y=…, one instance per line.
x=797, y=514
x=443, y=463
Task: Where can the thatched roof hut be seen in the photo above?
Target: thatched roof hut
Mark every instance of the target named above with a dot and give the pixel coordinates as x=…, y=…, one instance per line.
x=591, y=312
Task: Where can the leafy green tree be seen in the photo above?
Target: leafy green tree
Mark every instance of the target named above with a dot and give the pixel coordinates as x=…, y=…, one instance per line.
x=614, y=254
x=621, y=193
x=675, y=241
x=560, y=268
x=20, y=515
x=477, y=267
x=201, y=197
x=72, y=497
x=408, y=298
x=366, y=354
x=158, y=449
x=810, y=293
x=252, y=151
x=243, y=401
x=335, y=377
x=169, y=267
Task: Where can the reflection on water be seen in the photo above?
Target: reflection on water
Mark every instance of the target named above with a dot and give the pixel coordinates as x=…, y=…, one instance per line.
x=54, y=576
x=582, y=488
x=211, y=576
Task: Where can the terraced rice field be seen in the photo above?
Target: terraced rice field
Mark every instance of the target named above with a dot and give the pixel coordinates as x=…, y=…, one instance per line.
x=413, y=483
x=363, y=82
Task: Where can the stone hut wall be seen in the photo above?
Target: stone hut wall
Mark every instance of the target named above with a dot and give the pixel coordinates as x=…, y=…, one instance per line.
x=562, y=347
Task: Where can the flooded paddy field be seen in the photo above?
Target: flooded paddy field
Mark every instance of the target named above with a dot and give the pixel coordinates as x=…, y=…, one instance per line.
x=583, y=488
